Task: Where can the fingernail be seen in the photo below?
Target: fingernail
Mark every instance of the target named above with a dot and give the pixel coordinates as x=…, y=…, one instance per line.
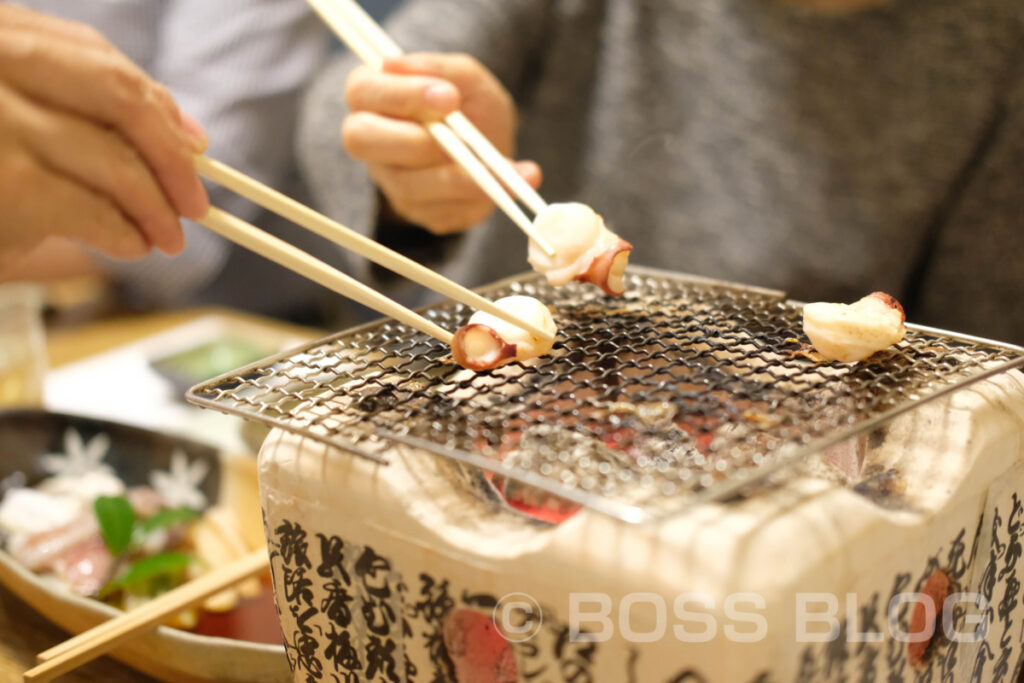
x=528, y=169
x=442, y=96
x=198, y=139
x=401, y=64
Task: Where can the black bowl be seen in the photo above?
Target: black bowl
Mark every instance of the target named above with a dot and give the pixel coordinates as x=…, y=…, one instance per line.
x=134, y=452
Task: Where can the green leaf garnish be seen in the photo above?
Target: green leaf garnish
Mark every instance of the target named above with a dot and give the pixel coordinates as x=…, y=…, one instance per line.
x=116, y=519
x=166, y=518
x=149, y=570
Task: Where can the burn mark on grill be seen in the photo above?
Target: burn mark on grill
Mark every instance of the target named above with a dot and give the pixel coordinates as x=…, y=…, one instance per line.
x=384, y=399
x=876, y=438
x=885, y=487
x=439, y=406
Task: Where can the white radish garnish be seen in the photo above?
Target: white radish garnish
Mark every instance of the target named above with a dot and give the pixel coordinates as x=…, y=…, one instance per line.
x=585, y=249
x=853, y=332
x=487, y=341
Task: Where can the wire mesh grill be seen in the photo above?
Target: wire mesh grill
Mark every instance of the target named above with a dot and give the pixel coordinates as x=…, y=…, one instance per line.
x=683, y=390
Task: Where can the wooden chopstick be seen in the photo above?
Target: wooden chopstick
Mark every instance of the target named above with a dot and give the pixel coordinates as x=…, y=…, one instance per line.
x=496, y=161
x=358, y=33
x=301, y=214
x=104, y=637
x=277, y=250
x=376, y=38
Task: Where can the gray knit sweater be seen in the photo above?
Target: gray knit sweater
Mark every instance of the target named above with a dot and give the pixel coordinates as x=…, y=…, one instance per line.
x=747, y=140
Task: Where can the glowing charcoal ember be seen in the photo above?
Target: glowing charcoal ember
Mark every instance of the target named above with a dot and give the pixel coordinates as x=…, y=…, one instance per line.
x=532, y=501
x=487, y=341
x=585, y=249
x=853, y=332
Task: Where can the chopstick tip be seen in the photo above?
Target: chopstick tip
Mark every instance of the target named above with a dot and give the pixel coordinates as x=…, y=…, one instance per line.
x=544, y=246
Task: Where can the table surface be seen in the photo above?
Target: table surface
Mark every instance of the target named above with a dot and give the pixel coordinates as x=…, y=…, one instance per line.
x=23, y=632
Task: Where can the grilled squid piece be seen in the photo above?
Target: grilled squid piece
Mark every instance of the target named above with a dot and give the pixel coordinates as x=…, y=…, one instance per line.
x=486, y=342
x=585, y=250
x=853, y=332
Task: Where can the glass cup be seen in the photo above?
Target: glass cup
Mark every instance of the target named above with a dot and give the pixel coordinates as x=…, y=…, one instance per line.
x=22, y=345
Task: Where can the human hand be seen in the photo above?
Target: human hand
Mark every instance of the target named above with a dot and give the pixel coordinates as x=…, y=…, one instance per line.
x=91, y=148
x=384, y=130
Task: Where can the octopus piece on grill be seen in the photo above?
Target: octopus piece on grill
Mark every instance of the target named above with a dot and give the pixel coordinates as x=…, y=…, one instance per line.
x=853, y=332
x=585, y=249
x=486, y=341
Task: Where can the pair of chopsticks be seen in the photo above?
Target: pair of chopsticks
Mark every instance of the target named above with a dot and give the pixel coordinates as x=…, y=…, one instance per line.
x=457, y=134
x=104, y=637
x=372, y=44
x=289, y=256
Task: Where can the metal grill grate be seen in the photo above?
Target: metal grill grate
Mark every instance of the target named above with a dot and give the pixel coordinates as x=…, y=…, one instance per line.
x=683, y=390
